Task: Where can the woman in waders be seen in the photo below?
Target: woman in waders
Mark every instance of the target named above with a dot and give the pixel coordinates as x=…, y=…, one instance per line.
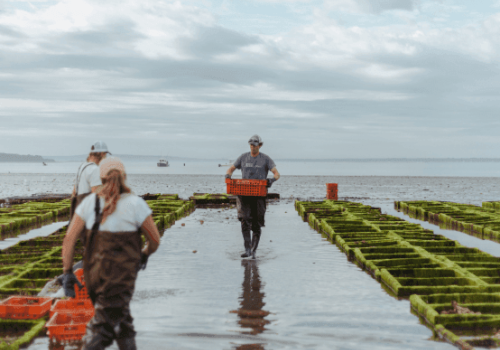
x=88, y=178
x=114, y=220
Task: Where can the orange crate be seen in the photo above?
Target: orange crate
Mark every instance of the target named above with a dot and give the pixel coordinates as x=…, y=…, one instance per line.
x=64, y=327
x=72, y=306
x=331, y=187
x=80, y=293
x=245, y=187
x=25, y=308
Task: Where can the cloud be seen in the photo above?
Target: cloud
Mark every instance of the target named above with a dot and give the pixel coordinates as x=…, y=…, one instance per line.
x=170, y=73
x=210, y=41
x=370, y=6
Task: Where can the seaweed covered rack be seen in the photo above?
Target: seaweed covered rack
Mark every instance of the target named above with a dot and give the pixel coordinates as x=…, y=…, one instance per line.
x=455, y=290
x=21, y=215
x=482, y=222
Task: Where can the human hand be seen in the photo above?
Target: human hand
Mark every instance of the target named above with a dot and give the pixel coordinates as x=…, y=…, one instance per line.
x=68, y=282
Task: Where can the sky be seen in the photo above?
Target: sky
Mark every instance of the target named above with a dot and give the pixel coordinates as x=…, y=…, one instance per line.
x=197, y=78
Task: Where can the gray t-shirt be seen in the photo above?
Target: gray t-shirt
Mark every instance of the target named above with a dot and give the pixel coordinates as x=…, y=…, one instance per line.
x=255, y=168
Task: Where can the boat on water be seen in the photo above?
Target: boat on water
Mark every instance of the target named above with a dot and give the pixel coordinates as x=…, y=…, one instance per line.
x=228, y=164
x=163, y=163
x=44, y=163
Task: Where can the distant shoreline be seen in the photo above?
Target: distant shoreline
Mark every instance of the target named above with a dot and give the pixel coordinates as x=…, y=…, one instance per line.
x=20, y=158
x=81, y=158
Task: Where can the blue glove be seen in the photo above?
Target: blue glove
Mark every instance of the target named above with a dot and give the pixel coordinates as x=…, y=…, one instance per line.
x=68, y=282
x=228, y=176
x=270, y=182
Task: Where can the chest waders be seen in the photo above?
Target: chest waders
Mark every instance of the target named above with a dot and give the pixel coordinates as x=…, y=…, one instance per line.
x=111, y=262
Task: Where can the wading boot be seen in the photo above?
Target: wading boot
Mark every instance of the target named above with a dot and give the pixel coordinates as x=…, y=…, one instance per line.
x=255, y=243
x=247, y=253
x=126, y=343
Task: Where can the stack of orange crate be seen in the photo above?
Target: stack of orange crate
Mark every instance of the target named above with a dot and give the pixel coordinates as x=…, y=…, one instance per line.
x=69, y=317
x=332, y=191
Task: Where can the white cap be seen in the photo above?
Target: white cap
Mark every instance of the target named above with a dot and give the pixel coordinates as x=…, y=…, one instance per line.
x=99, y=147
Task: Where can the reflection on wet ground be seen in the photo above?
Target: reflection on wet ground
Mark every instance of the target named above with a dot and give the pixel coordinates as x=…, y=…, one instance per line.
x=251, y=313
x=300, y=293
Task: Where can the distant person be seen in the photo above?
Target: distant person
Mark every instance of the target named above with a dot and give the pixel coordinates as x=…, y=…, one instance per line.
x=114, y=220
x=87, y=177
x=251, y=210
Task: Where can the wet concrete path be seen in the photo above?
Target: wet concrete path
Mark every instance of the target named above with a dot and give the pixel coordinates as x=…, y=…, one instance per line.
x=213, y=299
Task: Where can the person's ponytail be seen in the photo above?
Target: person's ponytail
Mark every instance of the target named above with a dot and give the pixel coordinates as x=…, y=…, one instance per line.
x=113, y=186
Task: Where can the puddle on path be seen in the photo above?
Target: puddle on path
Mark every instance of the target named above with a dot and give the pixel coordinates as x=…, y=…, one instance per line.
x=315, y=298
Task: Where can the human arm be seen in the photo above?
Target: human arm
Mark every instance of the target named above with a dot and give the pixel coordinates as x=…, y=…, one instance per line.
x=68, y=251
x=273, y=179
x=276, y=173
x=152, y=235
x=230, y=171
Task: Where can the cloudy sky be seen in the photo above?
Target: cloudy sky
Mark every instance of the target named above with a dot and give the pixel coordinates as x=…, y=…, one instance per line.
x=196, y=78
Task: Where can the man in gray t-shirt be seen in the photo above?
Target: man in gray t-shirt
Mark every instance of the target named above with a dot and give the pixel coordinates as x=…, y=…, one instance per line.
x=251, y=210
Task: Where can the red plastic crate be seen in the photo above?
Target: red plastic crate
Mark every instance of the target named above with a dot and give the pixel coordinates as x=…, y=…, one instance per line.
x=331, y=187
x=65, y=327
x=80, y=293
x=25, y=308
x=245, y=187
x=72, y=306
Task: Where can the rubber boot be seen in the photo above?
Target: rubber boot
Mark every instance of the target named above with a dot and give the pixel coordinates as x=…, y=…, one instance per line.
x=126, y=343
x=245, y=230
x=255, y=243
x=247, y=253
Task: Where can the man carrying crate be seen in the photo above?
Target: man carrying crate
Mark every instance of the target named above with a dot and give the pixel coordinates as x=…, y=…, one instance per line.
x=251, y=210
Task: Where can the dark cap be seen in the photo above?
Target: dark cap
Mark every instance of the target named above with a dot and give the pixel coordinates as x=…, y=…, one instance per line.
x=255, y=140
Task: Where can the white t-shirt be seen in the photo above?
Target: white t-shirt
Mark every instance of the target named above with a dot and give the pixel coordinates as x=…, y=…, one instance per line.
x=89, y=178
x=130, y=213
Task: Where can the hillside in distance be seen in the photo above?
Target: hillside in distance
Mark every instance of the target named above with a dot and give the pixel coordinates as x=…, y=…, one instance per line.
x=20, y=158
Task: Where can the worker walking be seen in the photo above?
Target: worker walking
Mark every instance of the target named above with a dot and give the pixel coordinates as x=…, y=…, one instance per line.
x=114, y=219
x=87, y=177
x=251, y=210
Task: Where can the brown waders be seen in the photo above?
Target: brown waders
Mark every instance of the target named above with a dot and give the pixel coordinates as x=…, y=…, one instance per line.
x=111, y=262
x=251, y=212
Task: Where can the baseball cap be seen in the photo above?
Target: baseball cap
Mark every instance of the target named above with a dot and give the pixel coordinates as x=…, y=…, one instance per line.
x=255, y=140
x=99, y=147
